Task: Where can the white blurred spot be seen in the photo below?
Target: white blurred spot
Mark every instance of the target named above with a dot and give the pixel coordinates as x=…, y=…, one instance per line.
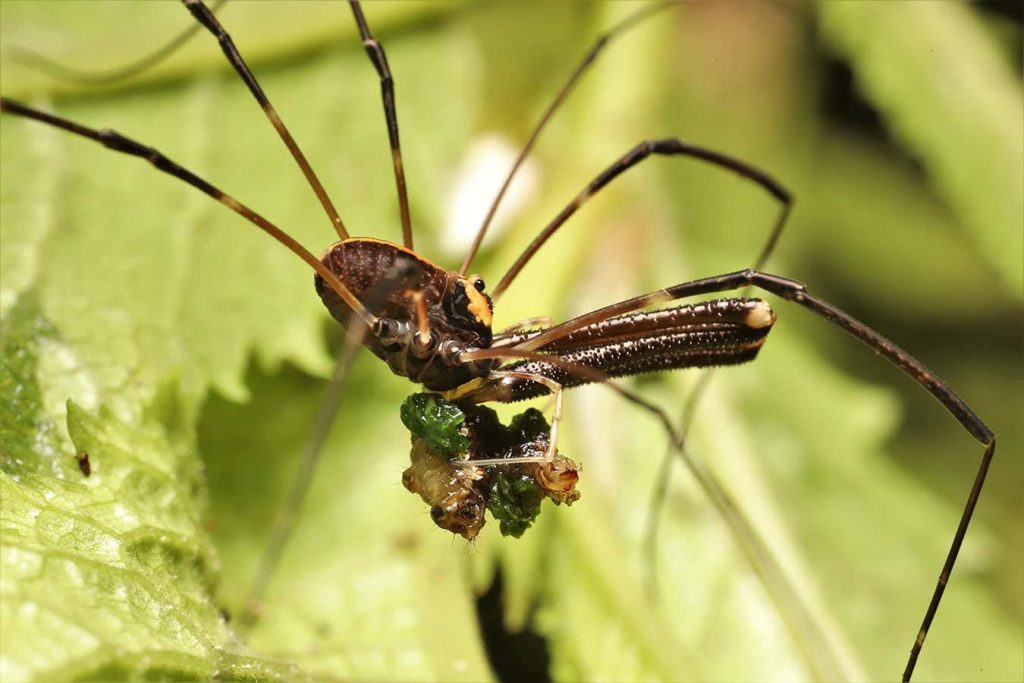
x=476, y=184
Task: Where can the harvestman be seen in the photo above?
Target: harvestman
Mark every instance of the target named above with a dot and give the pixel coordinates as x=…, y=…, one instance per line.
x=434, y=326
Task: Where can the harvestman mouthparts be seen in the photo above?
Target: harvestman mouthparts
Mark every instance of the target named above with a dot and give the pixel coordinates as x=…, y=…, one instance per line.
x=433, y=325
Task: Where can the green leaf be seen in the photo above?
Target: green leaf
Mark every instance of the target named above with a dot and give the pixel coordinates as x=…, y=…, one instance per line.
x=100, y=582
x=952, y=99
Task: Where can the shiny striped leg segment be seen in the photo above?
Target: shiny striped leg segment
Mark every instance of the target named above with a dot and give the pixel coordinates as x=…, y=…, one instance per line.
x=205, y=17
x=375, y=51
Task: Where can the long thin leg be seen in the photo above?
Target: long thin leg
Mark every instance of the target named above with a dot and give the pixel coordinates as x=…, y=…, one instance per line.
x=556, y=419
x=70, y=74
x=205, y=17
x=387, y=90
x=796, y=292
x=563, y=93
x=537, y=321
x=289, y=511
x=667, y=147
x=120, y=143
x=661, y=480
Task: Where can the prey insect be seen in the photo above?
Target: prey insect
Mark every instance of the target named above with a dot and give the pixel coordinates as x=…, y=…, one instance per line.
x=435, y=326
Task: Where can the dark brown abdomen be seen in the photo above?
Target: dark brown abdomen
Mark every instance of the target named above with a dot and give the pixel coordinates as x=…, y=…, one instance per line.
x=367, y=267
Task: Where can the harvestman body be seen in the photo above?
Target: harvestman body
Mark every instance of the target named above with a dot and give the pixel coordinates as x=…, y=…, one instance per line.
x=434, y=326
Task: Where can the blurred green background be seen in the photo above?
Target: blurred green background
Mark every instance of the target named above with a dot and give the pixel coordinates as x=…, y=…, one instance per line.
x=194, y=351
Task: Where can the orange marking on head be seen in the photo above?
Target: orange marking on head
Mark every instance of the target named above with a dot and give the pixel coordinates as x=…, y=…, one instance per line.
x=478, y=305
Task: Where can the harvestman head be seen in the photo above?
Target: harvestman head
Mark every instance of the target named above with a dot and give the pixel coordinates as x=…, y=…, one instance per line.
x=434, y=325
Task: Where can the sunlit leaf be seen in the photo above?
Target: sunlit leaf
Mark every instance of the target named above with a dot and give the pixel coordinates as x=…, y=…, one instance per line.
x=108, y=575
x=950, y=97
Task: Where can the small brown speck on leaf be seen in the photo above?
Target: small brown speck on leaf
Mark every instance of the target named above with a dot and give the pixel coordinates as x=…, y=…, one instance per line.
x=83, y=463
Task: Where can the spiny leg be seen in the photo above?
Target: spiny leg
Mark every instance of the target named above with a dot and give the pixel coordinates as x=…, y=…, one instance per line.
x=560, y=97
x=120, y=143
x=790, y=290
x=70, y=74
x=667, y=147
x=796, y=292
x=205, y=17
x=387, y=90
x=708, y=333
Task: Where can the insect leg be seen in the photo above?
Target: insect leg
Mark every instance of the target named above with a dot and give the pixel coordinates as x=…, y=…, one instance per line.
x=666, y=147
x=560, y=97
x=70, y=74
x=205, y=17
x=661, y=480
x=289, y=510
x=538, y=321
x=120, y=143
x=387, y=90
x=556, y=418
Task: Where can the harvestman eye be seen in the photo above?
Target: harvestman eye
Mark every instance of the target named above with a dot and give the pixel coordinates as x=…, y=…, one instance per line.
x=364, y=283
